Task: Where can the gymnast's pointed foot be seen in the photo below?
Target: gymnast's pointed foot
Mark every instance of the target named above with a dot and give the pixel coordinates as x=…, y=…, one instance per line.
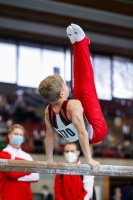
x=71, y=34
x=78, y=31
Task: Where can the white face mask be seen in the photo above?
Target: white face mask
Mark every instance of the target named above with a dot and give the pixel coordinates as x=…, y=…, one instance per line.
x=71, y=157
x=44, y=192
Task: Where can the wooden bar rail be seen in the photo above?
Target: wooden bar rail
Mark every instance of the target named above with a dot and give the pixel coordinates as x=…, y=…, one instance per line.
x=63, y=168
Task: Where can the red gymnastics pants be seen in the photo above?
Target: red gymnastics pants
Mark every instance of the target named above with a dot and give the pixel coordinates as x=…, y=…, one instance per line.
x=85, y=90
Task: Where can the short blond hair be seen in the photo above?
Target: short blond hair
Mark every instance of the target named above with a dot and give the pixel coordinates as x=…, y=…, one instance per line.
x=12, y=127
x=50, y=88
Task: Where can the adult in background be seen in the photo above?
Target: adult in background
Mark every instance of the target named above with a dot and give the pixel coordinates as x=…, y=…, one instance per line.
x=117, y=194
x=46, y=195
x=16, y=185
x=73, y=187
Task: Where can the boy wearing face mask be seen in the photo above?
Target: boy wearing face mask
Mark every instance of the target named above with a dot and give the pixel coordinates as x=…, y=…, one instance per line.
x=73, y=187
x=46, y=195
x=16, y=185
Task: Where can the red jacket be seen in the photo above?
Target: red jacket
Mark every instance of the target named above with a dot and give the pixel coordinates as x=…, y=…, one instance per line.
x=11, y=185
x=72, y=187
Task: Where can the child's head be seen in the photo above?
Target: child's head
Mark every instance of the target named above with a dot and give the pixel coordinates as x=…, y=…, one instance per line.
x=51, y=87
x=16, y=134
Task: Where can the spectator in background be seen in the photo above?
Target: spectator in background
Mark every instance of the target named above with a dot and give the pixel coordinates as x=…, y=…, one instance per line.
x=117, y=194
x=111, y=139
x=19, y=114
x=4, y=108
x=73, y=187
x=16, y=185
x=46, y=195
x=126, y=131
x=38, y=141
x=127, y=148
x=119, y=151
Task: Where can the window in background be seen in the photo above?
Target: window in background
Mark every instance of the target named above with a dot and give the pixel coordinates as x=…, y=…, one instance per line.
x=68, y=68
x=8, y=58
x=102, y=74
x=29, y=66
x=122, y=78
x=53, y=62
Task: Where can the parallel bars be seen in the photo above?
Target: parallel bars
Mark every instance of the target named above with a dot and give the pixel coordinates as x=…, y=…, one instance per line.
x=63, y=168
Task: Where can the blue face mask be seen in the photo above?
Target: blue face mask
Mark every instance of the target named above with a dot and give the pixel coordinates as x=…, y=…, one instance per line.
x=17, y=140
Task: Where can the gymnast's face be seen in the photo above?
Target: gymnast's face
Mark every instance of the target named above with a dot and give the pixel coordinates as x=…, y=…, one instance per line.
x=65, y=91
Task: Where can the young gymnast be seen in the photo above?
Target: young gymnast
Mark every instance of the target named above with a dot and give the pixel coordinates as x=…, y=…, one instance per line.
x=78, y=119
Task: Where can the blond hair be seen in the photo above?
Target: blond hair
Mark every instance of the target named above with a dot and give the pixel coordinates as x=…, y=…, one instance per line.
x=50, y=88
x=12, y=127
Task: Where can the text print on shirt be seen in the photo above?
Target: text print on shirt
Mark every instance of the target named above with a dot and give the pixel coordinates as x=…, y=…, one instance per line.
x=69, y=132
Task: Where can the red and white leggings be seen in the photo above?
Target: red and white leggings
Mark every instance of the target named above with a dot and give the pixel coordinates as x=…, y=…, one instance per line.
x=85, y=90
